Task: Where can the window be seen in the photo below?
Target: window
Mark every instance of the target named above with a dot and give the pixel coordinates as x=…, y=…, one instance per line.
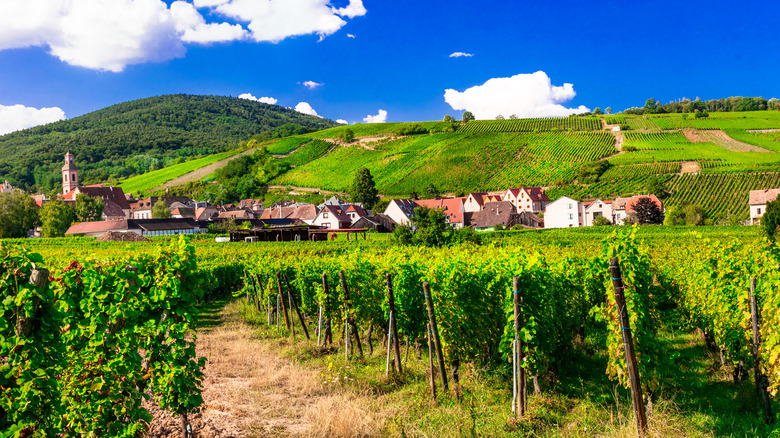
x=326, y=224
x=571, y=216
x=758, y=211
x=73, y=178
x=569, y=206
x=325, y=215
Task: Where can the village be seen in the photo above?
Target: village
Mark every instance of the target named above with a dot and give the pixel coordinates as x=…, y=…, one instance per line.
x=513, y=208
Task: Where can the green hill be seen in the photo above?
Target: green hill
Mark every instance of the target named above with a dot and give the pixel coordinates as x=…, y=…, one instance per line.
x=713, y=162
x=135, y=137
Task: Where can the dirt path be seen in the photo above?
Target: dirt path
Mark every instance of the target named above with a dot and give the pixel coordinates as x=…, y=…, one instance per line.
x=721, y=139
x=617, y=134
x=689, y=167
x=196, y=175
x=252, y=391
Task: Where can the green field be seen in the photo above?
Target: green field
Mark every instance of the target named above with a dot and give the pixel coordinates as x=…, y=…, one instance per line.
x=148, y=181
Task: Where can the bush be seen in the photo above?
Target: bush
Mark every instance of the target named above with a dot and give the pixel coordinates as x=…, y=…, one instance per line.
x=411, y=129
x=601, y=221
x=625, y=127
x=629, y=148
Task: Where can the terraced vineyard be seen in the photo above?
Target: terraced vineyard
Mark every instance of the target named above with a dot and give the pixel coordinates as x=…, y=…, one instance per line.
x=308, y=152
x=532, y=125
x=639, y=170
x=457, y=162
x=733, y=120
x=641, y=123
x=720, y=193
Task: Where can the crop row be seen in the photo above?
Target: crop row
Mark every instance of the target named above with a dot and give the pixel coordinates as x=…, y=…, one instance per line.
x=637, y=170
x=532, y=125
x=720, y=193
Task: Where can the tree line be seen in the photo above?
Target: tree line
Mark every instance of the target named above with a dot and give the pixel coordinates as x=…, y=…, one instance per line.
x=729, y=104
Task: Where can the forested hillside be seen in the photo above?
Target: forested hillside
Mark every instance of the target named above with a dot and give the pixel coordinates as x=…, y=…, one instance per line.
x=138, y=136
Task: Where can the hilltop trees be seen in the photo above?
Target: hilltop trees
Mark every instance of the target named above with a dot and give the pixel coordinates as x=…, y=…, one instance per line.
x=18, y=213
x=364, y=189
x=467, y=116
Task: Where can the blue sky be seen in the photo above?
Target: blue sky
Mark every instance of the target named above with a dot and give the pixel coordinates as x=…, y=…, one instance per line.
x=393, y=56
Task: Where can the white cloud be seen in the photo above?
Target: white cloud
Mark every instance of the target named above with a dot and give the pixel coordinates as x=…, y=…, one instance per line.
x=342, y=121
x=275, y=20
x=381, y=117
x=524, y=95
x=16, y=117
x=461, y=55
x=109, y=35
x=349, y=35
x=268, y=100
x=304, y=107
x=312, y=85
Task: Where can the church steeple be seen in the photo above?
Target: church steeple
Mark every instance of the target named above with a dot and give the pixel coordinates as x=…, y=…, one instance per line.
x=70, y=174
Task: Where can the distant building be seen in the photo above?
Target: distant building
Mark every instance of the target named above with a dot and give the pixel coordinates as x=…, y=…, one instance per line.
x=5, y=187
x=115, y=205
x=453, y=209
x=758, y=200
x=564, y=212
x=331, y=217
x=598, y=208
x=144, y=227
x=70, y=174
x=400, y=210
x=495, y=213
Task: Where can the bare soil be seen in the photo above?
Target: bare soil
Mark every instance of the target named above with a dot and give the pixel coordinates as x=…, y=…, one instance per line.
x=694, y=136
x=689, y=167
x=721, y=139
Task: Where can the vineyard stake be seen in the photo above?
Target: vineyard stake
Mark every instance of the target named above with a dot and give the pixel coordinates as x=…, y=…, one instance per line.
x=319, y=327
x=394, y=328
x=430, y=362
x=514, y=377
x=294, y=304
x=435, y=331
x=628, y=346
x=276, y=312
x=328, y=338
x=389, y=341
x=522, y=392
x=281, y=299
x=761, y=380
x=349, y=319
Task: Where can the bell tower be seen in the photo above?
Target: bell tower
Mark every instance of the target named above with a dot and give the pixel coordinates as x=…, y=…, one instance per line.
x=70, y=174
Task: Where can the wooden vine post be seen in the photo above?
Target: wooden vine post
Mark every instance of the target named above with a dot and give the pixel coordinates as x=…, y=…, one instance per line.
x=520, y=377
x=394, y=329
x=258, y=292
x=430, y=362
x=294, y=304
x=349, y=319
x=628, y=346
x=435, y=333
x=281, y=300
x=328, y=336
x=761, y=380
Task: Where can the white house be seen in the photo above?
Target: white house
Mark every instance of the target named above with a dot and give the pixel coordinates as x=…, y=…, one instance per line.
x=564, y=212
x=758, y=200
x=400, y=210
x=332, y=218
x=598, y=208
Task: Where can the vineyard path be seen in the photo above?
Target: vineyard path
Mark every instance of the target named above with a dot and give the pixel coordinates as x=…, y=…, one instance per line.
x=618, y=137
x=250, y=389
x=201, y=173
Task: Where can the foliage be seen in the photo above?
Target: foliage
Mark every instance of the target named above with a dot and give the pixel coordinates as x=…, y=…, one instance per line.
x=76, y=365
x=656, y=187
x=771, y=219
x=364, y=189
x=160, y=210
x=411, y=129
x=467, y=116
x=431, y=192
x=347, y=136
x=599, y=221
x=88, y=209
x=648, y=212
x=244, y=177
x=56, y=217
x=591, y=172
x=430, y=227
x=18, y=214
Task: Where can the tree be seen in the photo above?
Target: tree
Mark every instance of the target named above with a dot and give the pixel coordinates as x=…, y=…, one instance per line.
x=608, y=110
x=467, y=116
x=363, y=189
x=56, y=218
x=18, y=213
x=651, y=106
x=431, y=192
x=597, y=111
x=414, y=195
x=448, y=118
x=648, y=212
x=430, y=225
x=160, y=210
x=87, y=208
x=771, y=219
x=499, y=117
x=656, y=187
x=347, y=135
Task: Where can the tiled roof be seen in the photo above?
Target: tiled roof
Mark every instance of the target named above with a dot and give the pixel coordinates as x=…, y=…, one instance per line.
x=337, y=213
x=760, y=197
x=536, y=194
x=495, y=213
x=635, y=199
x=98, y=226
x=407, y=206
x=114, y=194
x=453, y=207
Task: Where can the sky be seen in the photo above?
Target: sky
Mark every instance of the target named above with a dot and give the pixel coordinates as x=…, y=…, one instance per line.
x=362, y=61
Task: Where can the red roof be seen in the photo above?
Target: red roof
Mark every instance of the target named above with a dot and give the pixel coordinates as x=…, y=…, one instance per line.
x=453, y=207
x=536, y=194
x=634, y=199
x=97, y=227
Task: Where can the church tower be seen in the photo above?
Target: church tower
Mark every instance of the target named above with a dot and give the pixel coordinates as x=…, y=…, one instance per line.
x=70, y=174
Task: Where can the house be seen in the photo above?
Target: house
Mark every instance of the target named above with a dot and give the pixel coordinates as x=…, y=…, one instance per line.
x=564, y=212
x=495, y=213
x=531, y=199
x=182, y=212
x=354, y=212
x=623, y=207
x=453, y=209
x=598, y=208
x=400, y=210
x=115, y=205
x=380, y=222
x=5, y=188
x=304, y=212
x=235, y=214
x=255, y=205
x=206, y=213
x=332, y=218
x=142, y=209
x=758, y=200
x=529, y=220
x=474, y=202
x=144, y=227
